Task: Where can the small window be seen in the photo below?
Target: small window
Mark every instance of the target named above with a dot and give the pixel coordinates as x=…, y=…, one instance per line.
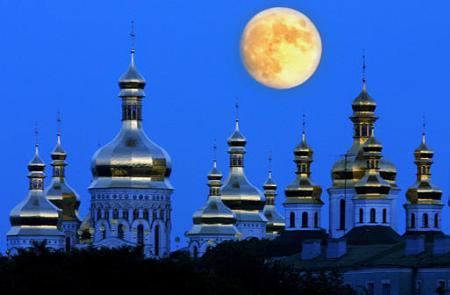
x=125, y=214
x=436, y=220
x=373, y=216
x=413, y=220
x=115, y=213
x=304, y=219
x=135, y=213
x=441, y=288
x=140, y=234
x=316, y=220
x=146, y=213
x=361, y=215
x=386, y=289
x=364, y=130
x=342, y=214
x=120, y=232
x=292, y=220
x=384, y=215
x=425, y=220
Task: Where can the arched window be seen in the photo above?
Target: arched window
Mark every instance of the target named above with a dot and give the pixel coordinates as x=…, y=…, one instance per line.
x=425, y=220
x=140, y=234
x=146, y=213
x=304, y=219
x=364, y=130
x=125, y=214
x=120, y=232
x=115, y=213
x=361, y=215
x=106, y=213
x=68, y=244
x=195, y=252
x=99, y=213
x=413, y=220
x=157, y=240
x=436, y=220
x=384, y=215
x=316, y=220
x=373, y=217
x=342, y=214
x=292, y=219
x=135, y=213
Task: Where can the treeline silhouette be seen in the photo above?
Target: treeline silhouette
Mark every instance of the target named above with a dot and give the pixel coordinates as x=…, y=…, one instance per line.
x=243, y=267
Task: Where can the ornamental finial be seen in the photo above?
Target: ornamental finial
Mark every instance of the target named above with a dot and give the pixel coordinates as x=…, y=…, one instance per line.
x=132, y=37
x=270, y=164
x=215, y=154
x=303, y=127
x=237, y=112
x=364, y=69
x=423, y=129
x=36, y=136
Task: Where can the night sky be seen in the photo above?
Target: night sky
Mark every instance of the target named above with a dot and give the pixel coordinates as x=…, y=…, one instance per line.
x=67, y=56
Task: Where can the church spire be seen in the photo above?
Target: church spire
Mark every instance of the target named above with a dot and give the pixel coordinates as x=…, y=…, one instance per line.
x=36, y=167
x=236, y=143
x=58, y=154
x=363, y=106
x=132, y=86
x=270, y=187
x=302, y=189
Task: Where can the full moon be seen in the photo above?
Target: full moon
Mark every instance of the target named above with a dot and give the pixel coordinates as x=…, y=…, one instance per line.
x=281, y=47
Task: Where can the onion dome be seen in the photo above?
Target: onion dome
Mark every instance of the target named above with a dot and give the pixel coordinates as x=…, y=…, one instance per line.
x=59, y=192
x=36, y=215
x=275, y=222
x=350, y=168
x=214, y=218
x=303, y=190
x=423, y=191
x=131, y=159
x=372, y=185
x=238, y=193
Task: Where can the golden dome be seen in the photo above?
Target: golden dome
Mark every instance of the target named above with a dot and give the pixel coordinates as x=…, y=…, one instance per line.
x=131, y=159
x=59, y=192
x=372, y=185
x=351, y=167
x=214, y=218
x=423, y=191
x=303, y=190
x=238, y=193
x=35, y=215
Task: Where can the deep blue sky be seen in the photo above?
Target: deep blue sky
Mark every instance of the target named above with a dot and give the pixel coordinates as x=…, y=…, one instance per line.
x=67, y=56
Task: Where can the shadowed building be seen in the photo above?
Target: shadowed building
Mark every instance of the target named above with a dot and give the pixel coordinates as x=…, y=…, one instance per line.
x=63, y=196
x=35, y=219
x=130, y=191
x=275, y=221
x=213, y=223
x=238, y=194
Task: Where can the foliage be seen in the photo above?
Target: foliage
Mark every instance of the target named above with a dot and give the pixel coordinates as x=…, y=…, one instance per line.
x=230, y=268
